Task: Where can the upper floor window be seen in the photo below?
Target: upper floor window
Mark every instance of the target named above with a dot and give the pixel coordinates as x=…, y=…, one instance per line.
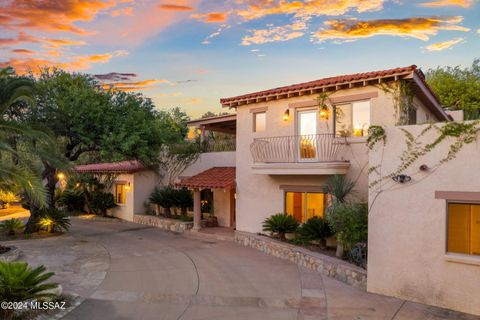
x=352, y=119
x=120, y=193
x=463, y=230
x=259, y=121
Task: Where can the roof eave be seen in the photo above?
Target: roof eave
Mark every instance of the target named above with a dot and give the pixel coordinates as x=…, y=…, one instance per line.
x=434, y=105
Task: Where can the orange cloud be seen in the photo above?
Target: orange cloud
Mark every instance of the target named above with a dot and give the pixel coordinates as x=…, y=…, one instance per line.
x=260, y=8
x=175, y=7
x=49, y=42
x=125, y=11
x=212, y=17
x=76, y=63
x=124, y=82
x=52, y=15
x=444, y=45
x=23, y=51
x=444, y=3
x=418, y=28
x=274, y=34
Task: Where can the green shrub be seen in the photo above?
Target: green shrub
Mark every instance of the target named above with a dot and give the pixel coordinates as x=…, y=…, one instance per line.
x=350, y=223
x=100, y=202
x=165, y=198
x=315, y=228
x=280, y=224
x=6, y=198
x=54, y=220
x=183, y=199
x=186, y=218
x=11, y=225
x=19, y=282
x=73, y=200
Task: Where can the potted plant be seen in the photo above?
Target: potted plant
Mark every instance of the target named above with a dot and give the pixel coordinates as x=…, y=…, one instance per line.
x=280, y=224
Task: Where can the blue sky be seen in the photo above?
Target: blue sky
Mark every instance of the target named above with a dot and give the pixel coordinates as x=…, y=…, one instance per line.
x=191, y=53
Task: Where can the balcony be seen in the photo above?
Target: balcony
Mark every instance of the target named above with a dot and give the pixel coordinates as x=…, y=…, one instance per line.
x=316, y=154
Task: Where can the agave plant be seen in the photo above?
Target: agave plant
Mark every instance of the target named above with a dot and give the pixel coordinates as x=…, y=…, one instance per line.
x=54, y=220
x=280, y=224
x=339, y=188
x=11, y=225
x=20, y=282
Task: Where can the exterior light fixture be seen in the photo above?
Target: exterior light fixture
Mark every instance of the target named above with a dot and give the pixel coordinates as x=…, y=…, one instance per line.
x=324, y=114
x=127, y=187
x=402, y=178
x=61, y=176
x=286, y=115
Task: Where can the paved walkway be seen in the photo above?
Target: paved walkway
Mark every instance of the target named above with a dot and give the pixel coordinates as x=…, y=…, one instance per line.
x=129, y=271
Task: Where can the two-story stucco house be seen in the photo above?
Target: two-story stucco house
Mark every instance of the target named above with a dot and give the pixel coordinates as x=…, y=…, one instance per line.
x=292, y=139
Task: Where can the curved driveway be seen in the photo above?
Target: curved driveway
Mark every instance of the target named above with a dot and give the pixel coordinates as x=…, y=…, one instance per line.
x=161, y=275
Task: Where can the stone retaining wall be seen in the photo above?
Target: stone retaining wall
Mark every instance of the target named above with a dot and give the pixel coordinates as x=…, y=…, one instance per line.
x=329, y=266
x=163, y=223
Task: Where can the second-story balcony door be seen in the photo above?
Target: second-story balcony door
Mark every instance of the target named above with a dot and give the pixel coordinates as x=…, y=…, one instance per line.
x=307, y=129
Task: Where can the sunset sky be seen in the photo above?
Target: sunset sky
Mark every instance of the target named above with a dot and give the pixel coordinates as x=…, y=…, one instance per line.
x=191, y=53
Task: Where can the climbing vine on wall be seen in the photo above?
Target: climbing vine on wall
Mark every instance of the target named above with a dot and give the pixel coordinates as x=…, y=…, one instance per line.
x=461, y=133
x=402, y=95
x=375, y=134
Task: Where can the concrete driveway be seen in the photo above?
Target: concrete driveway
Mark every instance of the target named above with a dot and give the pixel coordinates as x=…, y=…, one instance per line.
x=151, y=274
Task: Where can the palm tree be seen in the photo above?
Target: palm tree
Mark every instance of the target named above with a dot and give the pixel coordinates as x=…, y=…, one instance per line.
x=14, y=169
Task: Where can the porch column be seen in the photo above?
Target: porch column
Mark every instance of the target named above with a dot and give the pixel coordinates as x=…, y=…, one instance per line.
x=197, y=209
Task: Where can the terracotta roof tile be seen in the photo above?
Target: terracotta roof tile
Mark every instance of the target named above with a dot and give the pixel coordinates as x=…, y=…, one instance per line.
x=213, y=178
x=130, y=166
x=321, y=83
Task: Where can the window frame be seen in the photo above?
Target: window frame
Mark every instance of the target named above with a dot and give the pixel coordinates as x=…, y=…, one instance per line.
x=120, y=183
x=305, y=200
x=447, y=204
x=255, y=114
x=350, y=103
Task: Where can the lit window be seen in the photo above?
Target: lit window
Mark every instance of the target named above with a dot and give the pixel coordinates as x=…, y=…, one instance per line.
x=120, y=193
x=305, y=205
x=463, y=228
x=259, y=121
x=352, y=119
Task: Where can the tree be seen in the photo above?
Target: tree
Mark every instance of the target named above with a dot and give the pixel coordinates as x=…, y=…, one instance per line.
x=458, y=88
x=17, y=168
x=91, y=124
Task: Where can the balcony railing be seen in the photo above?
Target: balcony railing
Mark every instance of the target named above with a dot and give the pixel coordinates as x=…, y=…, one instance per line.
x=299, y=148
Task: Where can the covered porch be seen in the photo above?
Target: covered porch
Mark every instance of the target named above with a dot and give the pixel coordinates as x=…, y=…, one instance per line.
x=219, y=184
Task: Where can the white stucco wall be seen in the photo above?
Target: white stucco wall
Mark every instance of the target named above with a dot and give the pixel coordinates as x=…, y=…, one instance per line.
x=221, y=203
x=259, y=196
x=141, y=186
x=124, y=211
x=209, y=160
x=407, y=226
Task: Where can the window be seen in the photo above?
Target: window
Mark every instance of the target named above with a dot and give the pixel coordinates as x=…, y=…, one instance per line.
x=463, y=230
x=120, y=193
x=352, y=119
x=305, y=205
x=259, y=121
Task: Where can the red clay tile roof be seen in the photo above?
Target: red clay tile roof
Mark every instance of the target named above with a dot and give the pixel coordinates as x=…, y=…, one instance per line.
x=213, y=178
x=130, y=166
x=324, y=82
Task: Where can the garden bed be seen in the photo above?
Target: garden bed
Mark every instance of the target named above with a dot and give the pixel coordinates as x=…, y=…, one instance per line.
x=327, y=265
x=22, y=236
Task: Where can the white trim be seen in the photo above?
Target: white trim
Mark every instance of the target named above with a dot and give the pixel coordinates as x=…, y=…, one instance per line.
x=463, y=258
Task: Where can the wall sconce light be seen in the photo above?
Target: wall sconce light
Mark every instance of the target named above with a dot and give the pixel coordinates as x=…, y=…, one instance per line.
x=127, y=187
x=402, y=178
x=324, y=113
x=286, y=115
